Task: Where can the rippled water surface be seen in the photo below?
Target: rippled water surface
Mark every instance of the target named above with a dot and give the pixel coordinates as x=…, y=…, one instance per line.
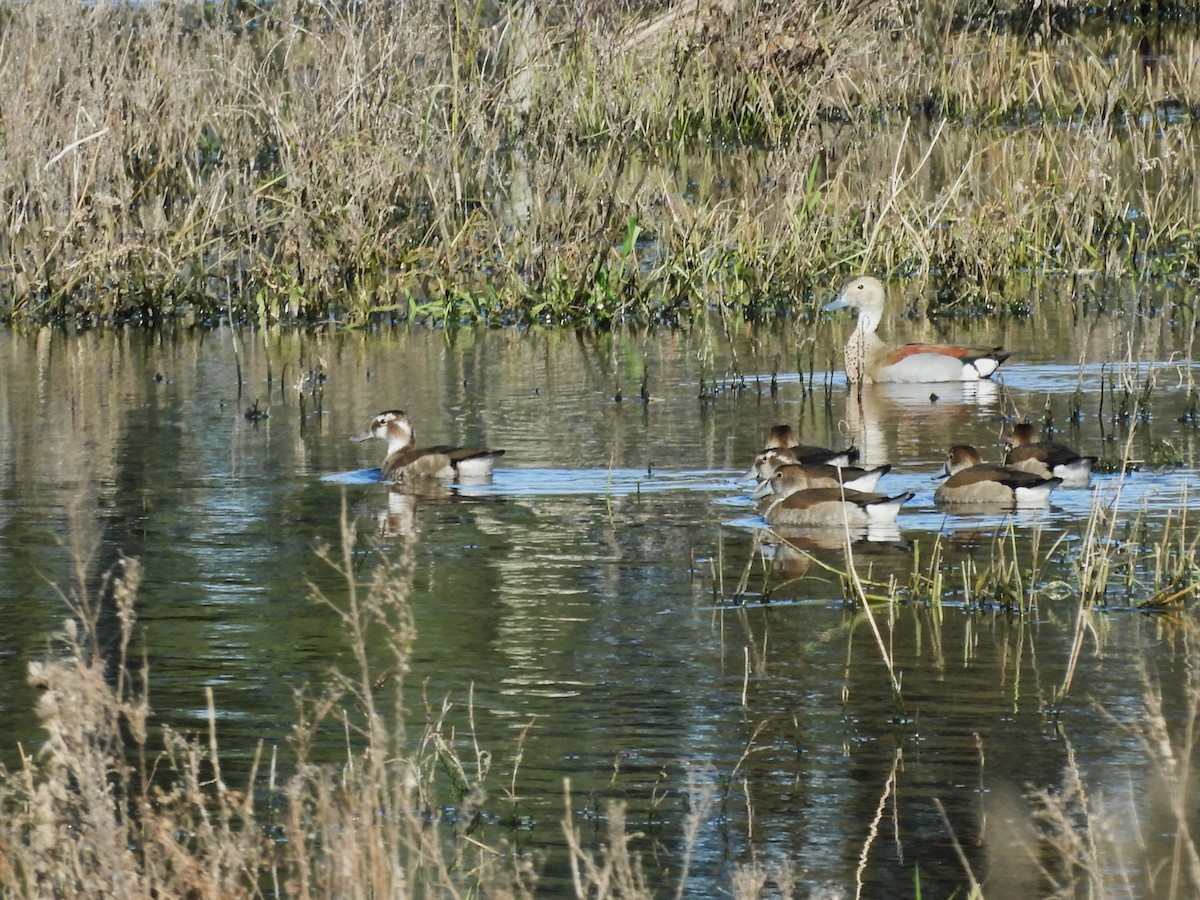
x=611, y=605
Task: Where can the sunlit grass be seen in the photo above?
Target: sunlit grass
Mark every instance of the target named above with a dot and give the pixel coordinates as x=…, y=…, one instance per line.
x=305, y=162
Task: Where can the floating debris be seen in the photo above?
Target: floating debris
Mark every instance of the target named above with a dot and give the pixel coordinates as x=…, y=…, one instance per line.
x=254, y=413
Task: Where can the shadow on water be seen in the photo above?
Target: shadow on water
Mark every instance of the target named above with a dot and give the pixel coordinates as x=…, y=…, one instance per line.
x=611, y=602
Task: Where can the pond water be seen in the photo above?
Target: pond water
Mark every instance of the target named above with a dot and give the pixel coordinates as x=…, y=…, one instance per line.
x=610, y=603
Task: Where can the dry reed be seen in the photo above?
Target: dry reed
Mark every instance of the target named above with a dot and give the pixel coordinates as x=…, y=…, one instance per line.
x=99, y=810
x=305, y=161
x=114, y=805
x=104, y=808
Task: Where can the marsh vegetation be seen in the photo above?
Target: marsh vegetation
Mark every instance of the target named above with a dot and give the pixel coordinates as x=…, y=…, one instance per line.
x=304, y=162
x=599, y=675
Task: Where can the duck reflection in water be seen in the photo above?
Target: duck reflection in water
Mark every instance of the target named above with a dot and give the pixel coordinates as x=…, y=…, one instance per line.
x=795, y=551
x=399, y=517
x=880, y=417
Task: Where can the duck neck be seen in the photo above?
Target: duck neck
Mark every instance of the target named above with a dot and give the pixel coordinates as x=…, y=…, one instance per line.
x=863, y=343
x=400, y=438
x=868, y=321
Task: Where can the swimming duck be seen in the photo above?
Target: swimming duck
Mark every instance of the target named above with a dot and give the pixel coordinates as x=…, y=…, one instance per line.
x=782, y=439
x=973, y=481
x=782, y=449
x=835, y=506
x=792, y=477
x=869, y=360
x=1025, y=451
x=404, y=460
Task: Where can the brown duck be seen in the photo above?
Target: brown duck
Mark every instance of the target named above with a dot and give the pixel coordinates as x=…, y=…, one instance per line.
x=973, y=481
x=1024, y=450
x=405, y=460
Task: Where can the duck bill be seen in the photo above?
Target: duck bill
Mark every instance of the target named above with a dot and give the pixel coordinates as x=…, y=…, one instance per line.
x=836, y=304
x=763, y=490
x=361, y=436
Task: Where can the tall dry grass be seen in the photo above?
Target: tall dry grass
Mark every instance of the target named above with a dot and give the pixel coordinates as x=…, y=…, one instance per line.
x=1092, y=835
x=306, y=159
x=113, y=806
x=311, y=161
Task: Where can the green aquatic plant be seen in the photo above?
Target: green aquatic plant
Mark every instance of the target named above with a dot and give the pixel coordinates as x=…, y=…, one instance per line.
x=1165, y=453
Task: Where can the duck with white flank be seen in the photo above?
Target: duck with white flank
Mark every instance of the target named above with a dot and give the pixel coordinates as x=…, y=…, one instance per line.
x=870, y=360
x=1025, y=451
x=975, y=482
x=797, y=504
x=788, y=479
x=841, y=507
x=783, y=449
x=406, y=460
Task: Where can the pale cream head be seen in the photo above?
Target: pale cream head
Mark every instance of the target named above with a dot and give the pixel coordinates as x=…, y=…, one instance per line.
x=867, y=295
x=393, y=426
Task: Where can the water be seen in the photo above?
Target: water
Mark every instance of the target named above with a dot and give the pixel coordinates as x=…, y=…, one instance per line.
x=610, y=603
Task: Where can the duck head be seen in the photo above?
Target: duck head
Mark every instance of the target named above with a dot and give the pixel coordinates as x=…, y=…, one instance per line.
x=865, y=294
x=959, y=457
x=393, y=426
x=1022, y=435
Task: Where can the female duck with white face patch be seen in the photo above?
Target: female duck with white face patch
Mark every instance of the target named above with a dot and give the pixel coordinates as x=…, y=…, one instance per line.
x=404, y=460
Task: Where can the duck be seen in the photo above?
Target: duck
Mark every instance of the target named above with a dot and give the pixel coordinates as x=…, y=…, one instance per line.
x=1026, y=451
x=783, y=449
x=405, y=460
x=836, y=506
x=869, y=360
x=768, y=461
x=971, y=480
x=783, y=440
x=787, y=479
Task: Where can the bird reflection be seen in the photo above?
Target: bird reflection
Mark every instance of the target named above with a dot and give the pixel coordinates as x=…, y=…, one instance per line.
x=882, y=415
x=399, y=517
x=795, y=551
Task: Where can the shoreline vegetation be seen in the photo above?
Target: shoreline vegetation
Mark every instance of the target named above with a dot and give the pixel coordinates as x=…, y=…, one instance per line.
x=301, y=162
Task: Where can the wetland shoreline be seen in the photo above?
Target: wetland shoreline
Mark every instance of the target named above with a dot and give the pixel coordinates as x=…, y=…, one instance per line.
x=440, y=693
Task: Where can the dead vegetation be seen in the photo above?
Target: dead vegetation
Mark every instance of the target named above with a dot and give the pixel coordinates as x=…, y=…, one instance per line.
x=304, y=162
